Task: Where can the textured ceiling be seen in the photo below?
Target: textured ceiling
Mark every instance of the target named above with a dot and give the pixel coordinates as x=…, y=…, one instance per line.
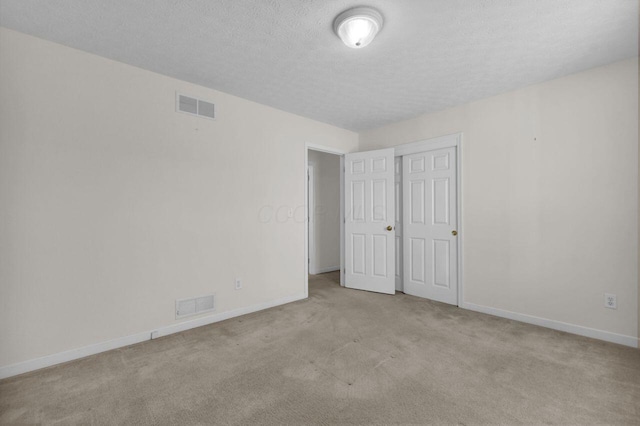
x=430, y=55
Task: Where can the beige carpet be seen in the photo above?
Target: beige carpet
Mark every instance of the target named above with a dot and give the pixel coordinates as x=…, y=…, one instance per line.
x=342, y=356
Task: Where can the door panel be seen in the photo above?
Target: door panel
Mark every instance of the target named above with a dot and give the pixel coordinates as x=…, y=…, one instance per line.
x=416, y=257
x=380, y=255
x=379, y=199
x=440, y=252
x=429, y=207
x=416, y=202
x=358, y=254
x=370, y=247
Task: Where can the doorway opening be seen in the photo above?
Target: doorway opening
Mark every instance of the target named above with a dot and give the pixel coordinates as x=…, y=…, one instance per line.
x=325, y=213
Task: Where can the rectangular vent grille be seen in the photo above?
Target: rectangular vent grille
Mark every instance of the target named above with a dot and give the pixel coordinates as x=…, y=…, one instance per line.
x=194, y=306
x=195, y=106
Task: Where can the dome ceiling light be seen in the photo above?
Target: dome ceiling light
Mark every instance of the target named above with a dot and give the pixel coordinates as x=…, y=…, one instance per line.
x=357, y=27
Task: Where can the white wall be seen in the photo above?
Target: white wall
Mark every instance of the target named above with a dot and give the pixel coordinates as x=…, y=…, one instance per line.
x=550, y=196
x=327, y=210
x=112, y=205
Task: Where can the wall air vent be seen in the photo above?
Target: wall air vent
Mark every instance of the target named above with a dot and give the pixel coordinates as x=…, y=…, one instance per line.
x=194, y=306
x=194, y=106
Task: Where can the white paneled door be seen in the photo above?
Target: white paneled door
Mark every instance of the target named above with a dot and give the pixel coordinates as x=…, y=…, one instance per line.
x=369, y=221
x=429, y=225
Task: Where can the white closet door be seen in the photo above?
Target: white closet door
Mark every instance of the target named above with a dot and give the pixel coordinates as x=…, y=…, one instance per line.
x=429, y=225
x=369, y=221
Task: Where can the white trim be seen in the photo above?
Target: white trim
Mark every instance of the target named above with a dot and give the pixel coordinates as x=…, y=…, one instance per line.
x=322, y=148
x=342, y=220
x=447, y=141
x=459, y=179
x=440, y=142
x=311, y=200
x=323, y=270
x=556, y=325
x=50, y=360
x=187, y=325
x=314, y=147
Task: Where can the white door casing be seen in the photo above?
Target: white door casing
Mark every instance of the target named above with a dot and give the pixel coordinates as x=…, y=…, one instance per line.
x=311, y=203
x=398, y=228
x=369, y=221
x=429, y=225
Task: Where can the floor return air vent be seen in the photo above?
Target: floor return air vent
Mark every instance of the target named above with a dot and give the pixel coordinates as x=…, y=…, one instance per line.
x=194, y=306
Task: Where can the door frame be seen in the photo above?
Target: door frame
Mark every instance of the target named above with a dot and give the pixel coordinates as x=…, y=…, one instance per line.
x=340, y=153
x=447, y=141
x=311, y=200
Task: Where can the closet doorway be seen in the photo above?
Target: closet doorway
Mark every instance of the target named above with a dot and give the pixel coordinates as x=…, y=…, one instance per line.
x=403, y=221
x=430, y=209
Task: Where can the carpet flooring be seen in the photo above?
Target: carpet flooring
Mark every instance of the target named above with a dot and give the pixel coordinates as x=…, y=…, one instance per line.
x=341, y=356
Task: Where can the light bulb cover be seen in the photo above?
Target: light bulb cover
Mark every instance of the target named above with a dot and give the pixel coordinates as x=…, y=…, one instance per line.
x=357, y=27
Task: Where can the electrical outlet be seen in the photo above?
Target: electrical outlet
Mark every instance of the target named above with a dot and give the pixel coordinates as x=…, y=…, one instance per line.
x=610, y=301
x=238, y=283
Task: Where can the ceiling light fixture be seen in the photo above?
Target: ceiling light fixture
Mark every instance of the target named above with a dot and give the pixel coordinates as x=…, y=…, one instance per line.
x=358, y=26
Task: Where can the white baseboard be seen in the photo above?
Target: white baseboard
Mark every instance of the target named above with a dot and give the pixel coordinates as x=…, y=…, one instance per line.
x=608, y=336
x=60, y=357
x=49, y=360
x=323, y=270
x=210, y=319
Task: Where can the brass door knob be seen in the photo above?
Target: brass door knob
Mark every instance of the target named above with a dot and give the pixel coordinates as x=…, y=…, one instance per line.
x=389, y=228
x=454, y=233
